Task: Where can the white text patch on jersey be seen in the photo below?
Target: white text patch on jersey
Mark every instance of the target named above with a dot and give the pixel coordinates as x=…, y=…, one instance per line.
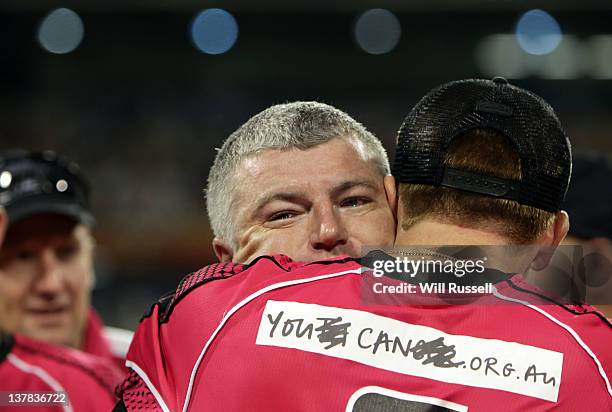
x=410, y=349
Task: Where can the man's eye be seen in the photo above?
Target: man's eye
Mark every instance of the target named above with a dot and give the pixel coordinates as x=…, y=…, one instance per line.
x=282, y=216
x=24, y=255
x=355, y=202
x=66, y=251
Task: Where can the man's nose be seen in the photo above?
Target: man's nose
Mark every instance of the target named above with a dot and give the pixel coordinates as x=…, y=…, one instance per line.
x=328, y=231
x=48, y=281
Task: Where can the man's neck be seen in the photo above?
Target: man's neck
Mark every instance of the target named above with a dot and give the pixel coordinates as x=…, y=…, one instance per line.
x=432, y=233
x=435, y=233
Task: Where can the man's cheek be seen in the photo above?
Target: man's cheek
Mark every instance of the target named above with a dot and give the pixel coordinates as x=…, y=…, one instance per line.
x=249, y=250
x=274, y=243
x=82, y=279
x=385, y=228
x=377, y=230
x=10, y=315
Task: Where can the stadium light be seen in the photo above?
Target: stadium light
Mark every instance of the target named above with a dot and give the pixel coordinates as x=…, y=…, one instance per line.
x=377, y=31
x=214, y=31
x=61, y=31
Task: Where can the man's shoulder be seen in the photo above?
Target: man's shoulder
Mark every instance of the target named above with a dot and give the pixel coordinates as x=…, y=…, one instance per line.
x=87, y=380
x=203, y=299
x=584, y=329
x=556, y=310
x=179, y=326
x=164, y=306
x=258, y=273
x=64, y=362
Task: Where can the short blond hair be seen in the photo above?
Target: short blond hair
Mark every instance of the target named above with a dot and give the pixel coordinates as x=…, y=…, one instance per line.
x=483, y=151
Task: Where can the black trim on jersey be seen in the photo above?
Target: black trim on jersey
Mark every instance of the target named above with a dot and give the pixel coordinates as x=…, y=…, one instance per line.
x=165, y=315
x=167, y=303
x=575, y=312
x=162, y=302
x=270, y=258
x=59, y=359
x=120, y=407
x=6, y=345
x=170, y=305
x=333, y=262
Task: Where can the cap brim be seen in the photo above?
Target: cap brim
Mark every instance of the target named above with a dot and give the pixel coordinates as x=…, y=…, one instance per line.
x=31, y=207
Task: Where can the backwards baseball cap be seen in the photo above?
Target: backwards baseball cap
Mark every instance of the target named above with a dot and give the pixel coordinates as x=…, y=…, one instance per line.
x=33, y=183
x=526, y=120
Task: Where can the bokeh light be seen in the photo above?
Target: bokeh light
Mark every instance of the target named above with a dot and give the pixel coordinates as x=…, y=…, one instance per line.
x=600, y=47
x=500, y=55
x=5, y=179
x=61, y=185
x=566, y=62
x=214, y=31
x=537, y=32
x=61, y=31
x=377, y=31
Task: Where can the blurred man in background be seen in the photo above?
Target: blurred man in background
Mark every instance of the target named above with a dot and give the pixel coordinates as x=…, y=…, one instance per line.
x=67, y=379
x=46, y=262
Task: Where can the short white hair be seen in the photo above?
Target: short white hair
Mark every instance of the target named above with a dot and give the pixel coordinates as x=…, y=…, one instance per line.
x=297, y=125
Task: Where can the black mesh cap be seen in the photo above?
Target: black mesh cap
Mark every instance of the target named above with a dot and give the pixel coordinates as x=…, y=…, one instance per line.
x=526, y=120
x=34, y=183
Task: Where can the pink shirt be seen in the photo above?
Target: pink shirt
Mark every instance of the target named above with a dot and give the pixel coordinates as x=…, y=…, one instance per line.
x=278, y=335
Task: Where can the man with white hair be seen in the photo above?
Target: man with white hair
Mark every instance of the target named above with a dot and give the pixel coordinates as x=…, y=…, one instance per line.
x=302, y=178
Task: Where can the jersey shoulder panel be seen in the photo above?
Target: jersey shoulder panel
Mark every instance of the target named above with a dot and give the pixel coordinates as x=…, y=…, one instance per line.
x=590, y=330
x=215, y=272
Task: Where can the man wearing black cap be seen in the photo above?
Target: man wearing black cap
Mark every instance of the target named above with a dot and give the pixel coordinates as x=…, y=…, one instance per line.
x=483, y=162
x=46, y=263
x=64, y=378
x=478, y=163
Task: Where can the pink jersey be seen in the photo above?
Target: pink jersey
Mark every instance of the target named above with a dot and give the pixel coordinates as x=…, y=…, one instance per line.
x=277, y=335
x=29, y=365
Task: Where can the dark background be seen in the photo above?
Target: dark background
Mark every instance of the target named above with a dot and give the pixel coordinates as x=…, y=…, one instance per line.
x=141, y=109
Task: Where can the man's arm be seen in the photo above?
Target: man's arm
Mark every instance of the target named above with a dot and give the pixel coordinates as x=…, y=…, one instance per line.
x=149, y=385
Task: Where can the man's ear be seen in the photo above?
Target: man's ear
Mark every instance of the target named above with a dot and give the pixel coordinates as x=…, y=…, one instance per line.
x=560, y=227
x=391, y=191
x=223, y=251
x=552, y=238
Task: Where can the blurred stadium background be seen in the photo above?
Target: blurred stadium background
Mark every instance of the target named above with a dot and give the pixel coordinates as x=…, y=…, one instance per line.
x=140, y=94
